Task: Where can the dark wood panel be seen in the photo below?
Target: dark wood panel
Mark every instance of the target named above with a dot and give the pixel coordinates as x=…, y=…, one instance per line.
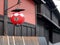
x=29, y=32
x=37, y=1
x=40, y=31
x=17, y=30
x=21, y=30
x=10, y=29
x=37, y=31
x=33, y=32
x=1, y=28
x=40, y=27
x=45, y=11
x=54, y=18
x=56, y=37
x=24, y=31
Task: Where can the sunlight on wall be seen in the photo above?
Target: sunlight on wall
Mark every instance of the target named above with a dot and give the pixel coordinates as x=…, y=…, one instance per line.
x=57, y=3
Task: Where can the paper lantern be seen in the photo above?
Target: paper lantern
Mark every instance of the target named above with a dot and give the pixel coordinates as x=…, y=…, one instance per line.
x=17, y=18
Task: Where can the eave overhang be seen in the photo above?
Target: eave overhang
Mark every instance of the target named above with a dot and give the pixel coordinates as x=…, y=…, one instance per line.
x=50, y=5
x=53, y=8
x=49, y=22
x=37, y=1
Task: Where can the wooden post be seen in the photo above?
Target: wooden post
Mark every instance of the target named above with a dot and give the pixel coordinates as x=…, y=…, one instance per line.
x=5, y=17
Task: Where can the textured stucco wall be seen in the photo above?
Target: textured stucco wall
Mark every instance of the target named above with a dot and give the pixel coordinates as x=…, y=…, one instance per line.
x=1, y=7
x=28, y=5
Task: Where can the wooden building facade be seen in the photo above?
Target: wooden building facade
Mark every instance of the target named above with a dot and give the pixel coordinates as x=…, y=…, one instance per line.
x=42, y=19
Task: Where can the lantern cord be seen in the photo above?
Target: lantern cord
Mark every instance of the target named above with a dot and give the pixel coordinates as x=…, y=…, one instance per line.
x=13, y=5
x=18, y=2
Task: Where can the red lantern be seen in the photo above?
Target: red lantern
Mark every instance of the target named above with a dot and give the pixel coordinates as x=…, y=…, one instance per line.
x=17, y=18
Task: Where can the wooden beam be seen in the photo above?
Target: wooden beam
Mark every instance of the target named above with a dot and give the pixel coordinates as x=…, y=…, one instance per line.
x=5, y=16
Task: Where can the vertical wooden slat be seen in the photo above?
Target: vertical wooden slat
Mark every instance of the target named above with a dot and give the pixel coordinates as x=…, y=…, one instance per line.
x=29, y=31
x=20, y=30
x=33, y=31
x=5, y=40
x=27, y=41
x=31, y=41
x=17, y=31
x=21, y=41
x=11, y=40
x=1, y=40
x=18, y=40
x=23, y=31
x=34, y=40
x=40, y=28
x=37, y=31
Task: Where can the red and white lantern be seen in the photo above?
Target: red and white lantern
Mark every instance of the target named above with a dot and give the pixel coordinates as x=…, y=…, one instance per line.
x=17, y=18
